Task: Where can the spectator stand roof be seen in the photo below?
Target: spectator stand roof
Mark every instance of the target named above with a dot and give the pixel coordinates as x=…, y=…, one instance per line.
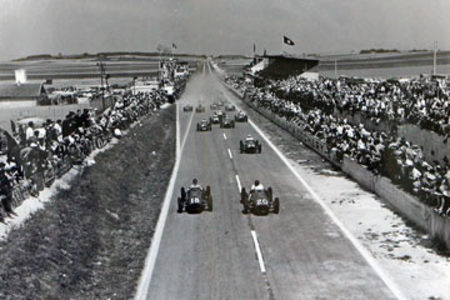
x=283, y=66
x=24, y=91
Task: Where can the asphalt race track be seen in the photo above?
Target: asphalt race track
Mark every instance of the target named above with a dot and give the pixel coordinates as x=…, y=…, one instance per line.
x=299, y=254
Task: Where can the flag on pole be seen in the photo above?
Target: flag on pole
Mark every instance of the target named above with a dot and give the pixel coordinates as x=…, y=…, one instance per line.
x=174, y=46
x=288, y=41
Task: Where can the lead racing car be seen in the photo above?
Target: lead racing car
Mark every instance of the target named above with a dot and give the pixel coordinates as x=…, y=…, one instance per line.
x=259, y=202
x=195, y=200
x=204, y=125
x=250, y=145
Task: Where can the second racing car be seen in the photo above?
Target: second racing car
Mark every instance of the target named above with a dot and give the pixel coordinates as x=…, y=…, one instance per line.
x=259, y=201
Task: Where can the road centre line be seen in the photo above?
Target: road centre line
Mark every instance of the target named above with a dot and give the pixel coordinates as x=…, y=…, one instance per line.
x=358, y=246
x=238, y=183
x=224, y=136
x=152, y=254
x=229, y=153
x=187, y=132
x=262, y=266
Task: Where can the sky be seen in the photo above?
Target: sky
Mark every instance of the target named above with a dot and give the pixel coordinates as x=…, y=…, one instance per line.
x=217, y=27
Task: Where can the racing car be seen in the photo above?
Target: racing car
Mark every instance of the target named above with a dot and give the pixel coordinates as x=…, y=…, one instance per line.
x=227, y=122
x=200, y=109
x=204, y=125
x=195, y=200
x=214, y=119
x=241, y=117
x=220, y=114
x=216, y=105
x=259, y=202
x=230, y=107
x=188, y=108
x=250, y=145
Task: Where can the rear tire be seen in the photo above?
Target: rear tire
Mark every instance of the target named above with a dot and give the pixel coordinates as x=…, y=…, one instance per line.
x=210, y=203
x=183, y=193
x=180, y=206
x=276, y=206
x=244, y=196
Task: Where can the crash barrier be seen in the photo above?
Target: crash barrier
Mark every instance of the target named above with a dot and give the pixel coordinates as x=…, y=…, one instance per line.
x=358, y=172
x=435, y=146
x=423, y=216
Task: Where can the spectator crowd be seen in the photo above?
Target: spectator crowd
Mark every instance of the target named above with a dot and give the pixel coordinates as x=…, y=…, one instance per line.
x=41, y=151
x=312, y=105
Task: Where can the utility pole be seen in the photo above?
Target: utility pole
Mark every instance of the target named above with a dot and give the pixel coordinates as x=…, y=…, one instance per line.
x=335, y=68
x=101, y=65
x=434, y=58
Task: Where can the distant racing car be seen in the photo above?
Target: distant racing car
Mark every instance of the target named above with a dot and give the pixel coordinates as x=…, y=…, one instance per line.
x=250, y=145
x=259, y=202
x=216, y=105
x=195, y=200
x=204, y=125
x=214, y=119
x=188, y=108
x=227, y=122
x=241, y=117
x=230, y=107
x=200, y=109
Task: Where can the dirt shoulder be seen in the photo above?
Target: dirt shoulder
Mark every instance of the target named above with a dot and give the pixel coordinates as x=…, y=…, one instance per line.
x=91, y=240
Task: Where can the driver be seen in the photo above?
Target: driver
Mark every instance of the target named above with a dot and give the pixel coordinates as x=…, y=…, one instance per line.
x=195, y=185
x=249, y=138
x=256, y=187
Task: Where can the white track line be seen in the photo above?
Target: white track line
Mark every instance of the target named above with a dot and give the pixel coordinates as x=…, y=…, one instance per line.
x=359, y=247
x=229, y=153
x=262, y=267
x=224, y=136
x=238, y=183
x=150, y=260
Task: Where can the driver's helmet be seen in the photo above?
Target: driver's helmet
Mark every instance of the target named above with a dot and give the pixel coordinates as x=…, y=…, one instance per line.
x=256, y=182
x=195, y=181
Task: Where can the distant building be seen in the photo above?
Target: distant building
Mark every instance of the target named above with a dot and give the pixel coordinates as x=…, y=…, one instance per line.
x=32, y=93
